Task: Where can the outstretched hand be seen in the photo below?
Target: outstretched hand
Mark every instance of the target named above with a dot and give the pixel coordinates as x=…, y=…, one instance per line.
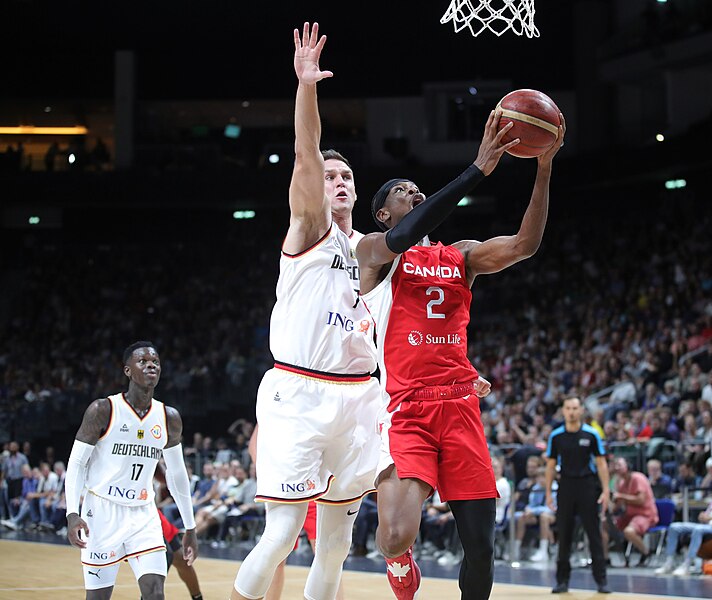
x=491, y=147
x=307, y=51
x=548, y=156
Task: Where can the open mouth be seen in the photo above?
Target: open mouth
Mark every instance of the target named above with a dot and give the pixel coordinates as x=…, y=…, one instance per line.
x=418, y=199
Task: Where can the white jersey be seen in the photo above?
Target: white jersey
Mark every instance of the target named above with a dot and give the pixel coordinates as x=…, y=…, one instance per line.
x=319, y=322
x=123, y=462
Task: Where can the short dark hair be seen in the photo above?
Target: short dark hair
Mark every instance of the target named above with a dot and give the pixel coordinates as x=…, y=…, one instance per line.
x=135, y=346
x=333, y=154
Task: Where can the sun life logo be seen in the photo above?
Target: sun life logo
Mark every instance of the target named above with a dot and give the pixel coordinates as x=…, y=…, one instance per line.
x=415, y=338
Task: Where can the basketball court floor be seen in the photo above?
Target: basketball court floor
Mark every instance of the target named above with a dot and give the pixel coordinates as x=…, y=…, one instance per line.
x=35, y=566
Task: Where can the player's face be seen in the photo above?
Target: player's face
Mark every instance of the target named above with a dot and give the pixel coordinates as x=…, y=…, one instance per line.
x=339, y=185
x=144, y=367
x=572, y=411
x=402, y=198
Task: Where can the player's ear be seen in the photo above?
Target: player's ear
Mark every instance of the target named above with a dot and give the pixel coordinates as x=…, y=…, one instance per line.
x=383, y=215
x=127, y=371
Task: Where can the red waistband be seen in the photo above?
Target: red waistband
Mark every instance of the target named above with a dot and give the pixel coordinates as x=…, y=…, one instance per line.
x=322, y=375
x=443, y=392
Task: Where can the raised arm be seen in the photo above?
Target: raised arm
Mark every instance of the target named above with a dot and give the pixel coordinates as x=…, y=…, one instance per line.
x=501, y=252
x=310, y=213
x=378, y=249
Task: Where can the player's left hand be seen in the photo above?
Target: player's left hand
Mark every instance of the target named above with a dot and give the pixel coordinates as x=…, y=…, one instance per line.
x=482, y=387
x=603, y=501
x=190, y=546
x=548, y=156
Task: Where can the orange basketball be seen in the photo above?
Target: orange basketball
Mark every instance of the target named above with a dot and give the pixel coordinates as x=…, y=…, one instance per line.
x=536, y=121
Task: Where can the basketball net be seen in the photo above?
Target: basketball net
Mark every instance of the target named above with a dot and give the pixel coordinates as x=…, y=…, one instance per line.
x=517, y=15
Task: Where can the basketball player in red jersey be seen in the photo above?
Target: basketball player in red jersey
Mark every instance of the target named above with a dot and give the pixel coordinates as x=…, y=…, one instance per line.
x=431, y=432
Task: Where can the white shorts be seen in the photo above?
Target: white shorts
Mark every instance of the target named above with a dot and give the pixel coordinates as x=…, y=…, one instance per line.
x=118, y=532
x=317, y=439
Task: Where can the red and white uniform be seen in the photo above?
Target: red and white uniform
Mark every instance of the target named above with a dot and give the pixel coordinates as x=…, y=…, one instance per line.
x=317, y=409
x=431, y=427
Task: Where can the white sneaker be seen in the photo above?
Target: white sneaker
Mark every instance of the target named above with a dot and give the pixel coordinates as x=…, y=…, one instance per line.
x=682, y=571
x=447, y=560
x=10, y=524
x=540, y=555
x=666, y=567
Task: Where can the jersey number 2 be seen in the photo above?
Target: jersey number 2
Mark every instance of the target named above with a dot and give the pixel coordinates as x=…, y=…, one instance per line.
x=439, y=299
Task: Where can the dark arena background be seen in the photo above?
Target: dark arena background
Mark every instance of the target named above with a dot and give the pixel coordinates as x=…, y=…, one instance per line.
x=146, y=151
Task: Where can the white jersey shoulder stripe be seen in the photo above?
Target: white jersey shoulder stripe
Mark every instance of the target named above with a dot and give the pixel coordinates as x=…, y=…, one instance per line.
x=314, y=246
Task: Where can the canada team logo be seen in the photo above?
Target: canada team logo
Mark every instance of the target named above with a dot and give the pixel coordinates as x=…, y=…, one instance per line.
x=139, y=434
x=156, y=431
x=364, y=326
x=415, y=338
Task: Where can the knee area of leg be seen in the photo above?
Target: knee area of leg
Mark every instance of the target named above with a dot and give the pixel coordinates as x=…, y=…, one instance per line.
x=395, y=541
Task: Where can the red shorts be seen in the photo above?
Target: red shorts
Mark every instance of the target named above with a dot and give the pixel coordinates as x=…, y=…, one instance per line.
x=169, y=530
x=640, y=523
x=309, y=524
x=442, y=442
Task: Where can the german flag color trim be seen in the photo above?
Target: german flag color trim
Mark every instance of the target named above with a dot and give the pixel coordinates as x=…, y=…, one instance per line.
x=321, y=375
x=320, y=241
x=125, y=557
x=342, y=502
x=259, y=498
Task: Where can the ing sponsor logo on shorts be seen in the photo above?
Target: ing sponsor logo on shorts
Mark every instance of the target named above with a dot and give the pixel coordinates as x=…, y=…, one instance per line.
x=304, y=486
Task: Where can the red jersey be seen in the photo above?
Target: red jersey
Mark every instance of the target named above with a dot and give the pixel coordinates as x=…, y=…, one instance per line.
x=421, y=310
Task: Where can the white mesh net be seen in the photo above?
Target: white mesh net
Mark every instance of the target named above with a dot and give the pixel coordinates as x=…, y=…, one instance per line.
x=498, y=16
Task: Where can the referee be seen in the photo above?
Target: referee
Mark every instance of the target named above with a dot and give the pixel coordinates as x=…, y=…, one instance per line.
x=583, y=487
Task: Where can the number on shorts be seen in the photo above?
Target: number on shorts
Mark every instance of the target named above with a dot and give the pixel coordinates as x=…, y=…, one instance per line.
x=435, y=301
x=136, y=469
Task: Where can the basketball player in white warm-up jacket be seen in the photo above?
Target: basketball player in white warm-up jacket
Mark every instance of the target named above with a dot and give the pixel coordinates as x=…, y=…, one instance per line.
x=317, y=407
x=112, y=463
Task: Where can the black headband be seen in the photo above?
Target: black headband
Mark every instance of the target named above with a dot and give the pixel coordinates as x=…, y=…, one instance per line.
x=379, y=199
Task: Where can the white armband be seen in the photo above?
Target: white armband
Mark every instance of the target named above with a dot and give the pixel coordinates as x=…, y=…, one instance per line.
x=75, y=478
x=178, y=484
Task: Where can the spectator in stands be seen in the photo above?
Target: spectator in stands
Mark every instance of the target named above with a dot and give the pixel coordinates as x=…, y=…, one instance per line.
x=706, y=483
x=536, y=512
x=696, y=531
x=686, y=477
x=504, y=489
x=52, y=508
x=523, y=488
x=365, y=525
x=707, y=389
x=232, y=493
x=437, y=526
x=634, y=497
x=659, y=481
x=240, y=507
x=704, y=432
x=24, y=506
x=13, y=469
x=46, y=490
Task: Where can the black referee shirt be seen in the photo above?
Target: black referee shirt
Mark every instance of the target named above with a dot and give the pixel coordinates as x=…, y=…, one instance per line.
x=575, y=451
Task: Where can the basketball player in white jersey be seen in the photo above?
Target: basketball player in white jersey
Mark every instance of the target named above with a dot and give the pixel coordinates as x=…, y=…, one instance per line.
x=317, y=407
x=115, y=453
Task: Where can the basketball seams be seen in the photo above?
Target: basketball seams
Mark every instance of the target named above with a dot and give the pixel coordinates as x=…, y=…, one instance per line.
x=519, y=116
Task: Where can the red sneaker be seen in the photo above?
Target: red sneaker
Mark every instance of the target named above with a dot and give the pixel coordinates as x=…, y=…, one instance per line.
x=404, y=576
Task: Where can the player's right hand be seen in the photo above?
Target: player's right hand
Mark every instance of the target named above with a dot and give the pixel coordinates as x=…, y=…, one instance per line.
x=492, y=148
x=75, y=525
x=307, y=51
